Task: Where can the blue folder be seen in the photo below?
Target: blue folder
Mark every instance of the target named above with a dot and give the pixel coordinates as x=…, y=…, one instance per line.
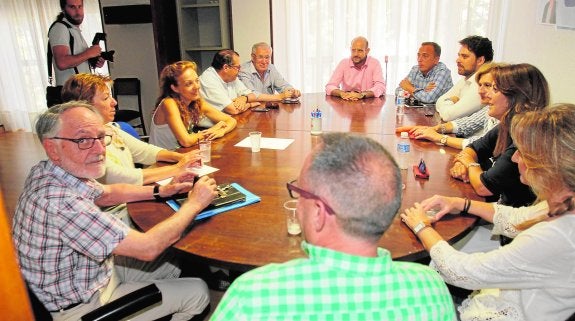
x=250, y=199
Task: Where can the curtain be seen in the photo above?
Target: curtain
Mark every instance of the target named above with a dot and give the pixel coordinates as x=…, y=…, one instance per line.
x=310, y=37
x=24, y=29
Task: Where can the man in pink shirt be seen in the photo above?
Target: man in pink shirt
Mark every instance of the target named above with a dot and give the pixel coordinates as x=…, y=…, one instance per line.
x=360, y=76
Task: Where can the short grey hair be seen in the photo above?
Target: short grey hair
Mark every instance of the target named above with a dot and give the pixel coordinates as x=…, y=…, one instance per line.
x=49, y=122
x=259, y=45
x=360, y=180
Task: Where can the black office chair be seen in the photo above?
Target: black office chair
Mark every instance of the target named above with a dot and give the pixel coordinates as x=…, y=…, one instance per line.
x=123, y=88
x=115, y=310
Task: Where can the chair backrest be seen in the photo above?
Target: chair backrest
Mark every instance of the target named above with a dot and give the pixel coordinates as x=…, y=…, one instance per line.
x=126, y=86
x=127, y=93
x=128, y=129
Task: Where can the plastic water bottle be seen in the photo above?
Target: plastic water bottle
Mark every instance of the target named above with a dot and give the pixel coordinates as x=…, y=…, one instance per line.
x=403, y=151
x=399, y=97
x=316, y=122
x=400, y=101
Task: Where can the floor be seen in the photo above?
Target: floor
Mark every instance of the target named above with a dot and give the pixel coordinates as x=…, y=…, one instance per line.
x=215, y=297
x=191, y=268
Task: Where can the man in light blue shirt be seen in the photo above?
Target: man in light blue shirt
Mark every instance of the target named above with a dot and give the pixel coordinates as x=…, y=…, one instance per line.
x=263, y=78
x=429, y=79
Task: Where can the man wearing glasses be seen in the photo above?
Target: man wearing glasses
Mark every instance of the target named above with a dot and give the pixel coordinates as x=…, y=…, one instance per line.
x=261, y=76
x=221, y=87
x=66, y=244
x=349, y=191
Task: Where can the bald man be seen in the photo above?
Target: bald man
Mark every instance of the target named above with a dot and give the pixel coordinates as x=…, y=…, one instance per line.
x=358, y=76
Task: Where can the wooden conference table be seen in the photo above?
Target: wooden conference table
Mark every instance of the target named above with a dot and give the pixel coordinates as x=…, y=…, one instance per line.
x=256, y=235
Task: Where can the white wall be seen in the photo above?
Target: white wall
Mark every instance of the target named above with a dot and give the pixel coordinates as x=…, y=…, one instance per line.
x=135, y=55
x=549, y=49
x=525, y=41
x=250, y=24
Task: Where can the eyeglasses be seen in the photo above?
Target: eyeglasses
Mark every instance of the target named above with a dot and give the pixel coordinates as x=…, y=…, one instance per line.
x=263, y=57
x=237, y=67
x=88, y=142
x=296, y=192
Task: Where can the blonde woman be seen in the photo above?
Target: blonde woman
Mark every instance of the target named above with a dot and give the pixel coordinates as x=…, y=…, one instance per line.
x=125, y=150
x=533, y=277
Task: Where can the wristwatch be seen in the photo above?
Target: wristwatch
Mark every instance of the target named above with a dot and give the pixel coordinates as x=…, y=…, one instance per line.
x=443, y=140
x=473, y=165
x=157, y=192
x=361, y=95
x=420, y=226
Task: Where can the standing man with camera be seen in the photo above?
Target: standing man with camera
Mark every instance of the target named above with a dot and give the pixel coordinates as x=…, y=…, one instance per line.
x=69, y=49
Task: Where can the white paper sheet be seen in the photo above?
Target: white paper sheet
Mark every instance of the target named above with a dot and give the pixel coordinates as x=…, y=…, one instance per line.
x=267, y=143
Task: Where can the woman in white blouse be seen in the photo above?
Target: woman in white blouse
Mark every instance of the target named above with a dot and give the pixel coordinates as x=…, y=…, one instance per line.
x=533, y=277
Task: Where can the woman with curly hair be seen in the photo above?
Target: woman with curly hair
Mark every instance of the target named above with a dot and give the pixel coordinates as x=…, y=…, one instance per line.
x=182, y=118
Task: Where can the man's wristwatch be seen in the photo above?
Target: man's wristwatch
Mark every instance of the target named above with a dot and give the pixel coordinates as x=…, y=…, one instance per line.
x=420, y=226
x=443, y=140
x=157, y=192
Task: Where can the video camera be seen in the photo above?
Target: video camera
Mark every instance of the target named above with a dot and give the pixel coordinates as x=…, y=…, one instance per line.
x=107, y=55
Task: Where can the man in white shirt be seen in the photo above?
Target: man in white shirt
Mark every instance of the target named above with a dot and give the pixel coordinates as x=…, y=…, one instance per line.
x=221, y=87
x=463, y=98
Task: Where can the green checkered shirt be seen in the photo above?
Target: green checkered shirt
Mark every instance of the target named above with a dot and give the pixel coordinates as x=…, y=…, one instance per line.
x=331, y=285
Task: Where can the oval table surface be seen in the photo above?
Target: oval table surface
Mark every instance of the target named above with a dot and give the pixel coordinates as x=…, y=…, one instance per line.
x=256, y=235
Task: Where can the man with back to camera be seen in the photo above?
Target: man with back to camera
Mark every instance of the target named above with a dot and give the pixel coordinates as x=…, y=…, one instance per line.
x=67, y=25
x=221, y=87
x=66, y=244
x=263, y=78
x=463, y=98
x=430, y=78
x=349, y=191
x=360, y=76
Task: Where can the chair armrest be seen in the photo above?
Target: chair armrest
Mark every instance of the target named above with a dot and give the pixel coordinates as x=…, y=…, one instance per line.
x=126, y=305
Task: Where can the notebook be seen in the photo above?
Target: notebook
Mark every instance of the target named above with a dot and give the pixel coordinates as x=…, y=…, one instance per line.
x=230, y=196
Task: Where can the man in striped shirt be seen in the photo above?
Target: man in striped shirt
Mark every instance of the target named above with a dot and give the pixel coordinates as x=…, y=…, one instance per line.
x=430, y=78
x=349, y=191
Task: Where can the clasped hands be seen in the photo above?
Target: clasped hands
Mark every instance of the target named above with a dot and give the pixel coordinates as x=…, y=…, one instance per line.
x=439, y=205
x=460, y=168
x=290, y=93
x=241, y=104
x=216, y=131
x=351, y=95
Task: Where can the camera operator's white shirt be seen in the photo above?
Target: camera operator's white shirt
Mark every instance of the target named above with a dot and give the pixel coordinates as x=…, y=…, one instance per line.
x=59, y=35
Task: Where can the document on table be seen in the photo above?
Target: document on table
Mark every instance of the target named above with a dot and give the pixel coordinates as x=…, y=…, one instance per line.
x=268, y=143
x=199, y=171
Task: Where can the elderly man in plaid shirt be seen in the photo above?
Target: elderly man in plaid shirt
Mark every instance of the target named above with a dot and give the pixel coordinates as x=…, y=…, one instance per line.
x=66, y=244
x=349, y=191
x=429, y=79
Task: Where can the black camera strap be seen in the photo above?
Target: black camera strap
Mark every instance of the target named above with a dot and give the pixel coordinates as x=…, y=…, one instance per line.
x=49, y=50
